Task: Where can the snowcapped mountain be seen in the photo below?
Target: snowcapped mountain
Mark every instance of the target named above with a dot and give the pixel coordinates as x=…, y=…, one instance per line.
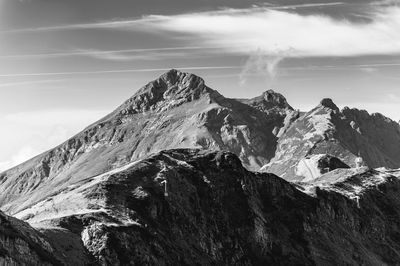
x=166, y=179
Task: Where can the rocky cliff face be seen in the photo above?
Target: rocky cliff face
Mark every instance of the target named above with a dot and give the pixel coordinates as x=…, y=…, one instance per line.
x=175, y=111
x=185, y=207
x=345, y=134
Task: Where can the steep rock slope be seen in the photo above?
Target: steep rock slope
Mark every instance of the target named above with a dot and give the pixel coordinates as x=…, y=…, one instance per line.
x=186, y=207
x=344, y=134
x=175, y=111
x=20, y=244
x=276, y=109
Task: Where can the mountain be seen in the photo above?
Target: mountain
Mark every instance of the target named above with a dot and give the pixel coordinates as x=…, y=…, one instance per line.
x=186, y=207
x=177, y=110
x=345, y=134
x=169, y=178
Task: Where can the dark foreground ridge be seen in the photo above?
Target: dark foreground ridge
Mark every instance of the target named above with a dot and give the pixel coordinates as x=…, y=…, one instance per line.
x=193, y=207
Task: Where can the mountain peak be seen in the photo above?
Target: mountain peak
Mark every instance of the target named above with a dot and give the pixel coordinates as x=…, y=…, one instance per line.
x=327, y=102
x=267, y=101
x=172, y=86
x=177, y=77
x=272, y=96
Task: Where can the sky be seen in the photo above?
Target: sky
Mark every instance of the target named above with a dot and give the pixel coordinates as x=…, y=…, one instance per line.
x=66, y=63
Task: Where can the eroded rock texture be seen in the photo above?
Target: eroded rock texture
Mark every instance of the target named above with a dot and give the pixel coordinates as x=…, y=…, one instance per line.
x=345, y=134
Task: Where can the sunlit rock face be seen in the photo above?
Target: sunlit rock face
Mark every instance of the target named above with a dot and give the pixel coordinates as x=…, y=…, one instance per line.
x=346, y=135
x=313, y=166
x=177, y=110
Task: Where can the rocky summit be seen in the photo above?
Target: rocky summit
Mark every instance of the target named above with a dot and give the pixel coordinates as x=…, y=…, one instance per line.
x=181, y=175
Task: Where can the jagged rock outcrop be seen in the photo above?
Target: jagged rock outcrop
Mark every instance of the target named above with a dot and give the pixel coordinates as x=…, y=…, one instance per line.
x=276, y=109
x=215, y=212
x=270, y=101
x=176, y=110
x=345, y=134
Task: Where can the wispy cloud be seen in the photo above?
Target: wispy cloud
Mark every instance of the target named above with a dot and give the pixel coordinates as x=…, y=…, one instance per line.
x=262, y=69
x=115, y=54
x=262, y=63
x=117, y=71
x=393, y=97
x=95, y=25
x=347, y=66
x=386, y=3
x=129, y=55
x=247, y=30
x=21, y=83
x=369, y=70
x=139, y=22
x=31, y=133
x=22, y=155
x=307, y=35
x=283, y=7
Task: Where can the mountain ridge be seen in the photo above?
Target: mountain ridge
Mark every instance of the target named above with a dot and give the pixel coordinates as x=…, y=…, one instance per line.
x=178, y=110
x=218, y=212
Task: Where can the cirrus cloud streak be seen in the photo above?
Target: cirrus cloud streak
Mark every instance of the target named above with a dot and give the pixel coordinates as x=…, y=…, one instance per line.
x=247, y=30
